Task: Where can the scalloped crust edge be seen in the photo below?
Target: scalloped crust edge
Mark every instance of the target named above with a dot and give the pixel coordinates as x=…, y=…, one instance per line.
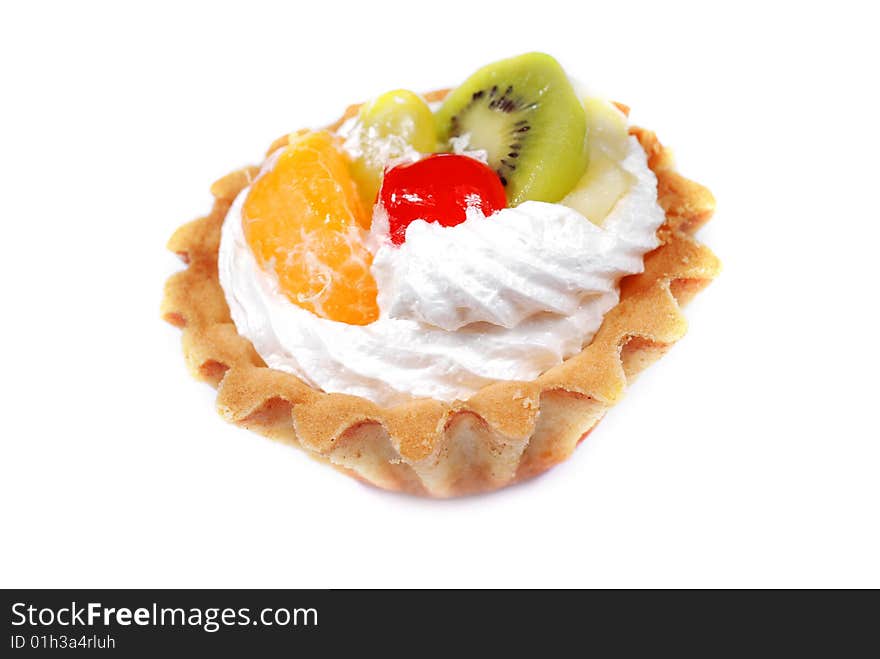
x=508, y=431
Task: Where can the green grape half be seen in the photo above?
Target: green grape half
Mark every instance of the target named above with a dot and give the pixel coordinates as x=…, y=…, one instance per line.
x=388, y=126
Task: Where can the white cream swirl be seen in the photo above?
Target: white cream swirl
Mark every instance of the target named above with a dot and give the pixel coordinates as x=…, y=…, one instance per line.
x=499, y=298
x=499, y=269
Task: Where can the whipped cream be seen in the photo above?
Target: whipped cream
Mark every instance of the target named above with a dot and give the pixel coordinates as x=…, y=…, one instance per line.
x=534, y=258
x=499, y=298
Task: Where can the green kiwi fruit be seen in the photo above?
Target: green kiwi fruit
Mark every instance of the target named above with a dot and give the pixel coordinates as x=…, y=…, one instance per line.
x=525, y=114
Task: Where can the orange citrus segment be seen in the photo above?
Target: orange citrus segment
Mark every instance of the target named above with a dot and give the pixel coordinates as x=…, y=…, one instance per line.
x=304, y=220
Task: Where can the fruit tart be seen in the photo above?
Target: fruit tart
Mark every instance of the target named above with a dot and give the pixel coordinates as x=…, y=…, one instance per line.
x=442, y=294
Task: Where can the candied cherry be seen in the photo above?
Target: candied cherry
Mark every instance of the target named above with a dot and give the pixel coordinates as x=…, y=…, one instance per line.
x=439, y=188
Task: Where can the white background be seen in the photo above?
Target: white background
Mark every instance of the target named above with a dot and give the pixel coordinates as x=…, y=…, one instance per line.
x=747, y=457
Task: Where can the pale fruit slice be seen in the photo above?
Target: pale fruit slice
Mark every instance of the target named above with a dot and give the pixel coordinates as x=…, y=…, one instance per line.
x=607, y=128
x=605, y=181
x=391, y=126
x=304, y=220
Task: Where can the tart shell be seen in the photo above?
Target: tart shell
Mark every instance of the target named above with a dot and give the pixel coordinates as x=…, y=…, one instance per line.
x=506, y=432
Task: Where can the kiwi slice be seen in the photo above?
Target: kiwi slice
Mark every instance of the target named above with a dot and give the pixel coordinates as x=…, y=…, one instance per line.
x=525, y=114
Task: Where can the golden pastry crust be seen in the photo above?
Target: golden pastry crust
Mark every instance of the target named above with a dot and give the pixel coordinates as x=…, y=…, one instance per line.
x=507, y=431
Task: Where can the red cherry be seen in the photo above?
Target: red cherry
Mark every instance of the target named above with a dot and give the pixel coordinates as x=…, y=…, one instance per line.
x=439, y=188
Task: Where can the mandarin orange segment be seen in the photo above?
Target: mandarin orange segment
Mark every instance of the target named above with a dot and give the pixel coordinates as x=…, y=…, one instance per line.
x=304, y=220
